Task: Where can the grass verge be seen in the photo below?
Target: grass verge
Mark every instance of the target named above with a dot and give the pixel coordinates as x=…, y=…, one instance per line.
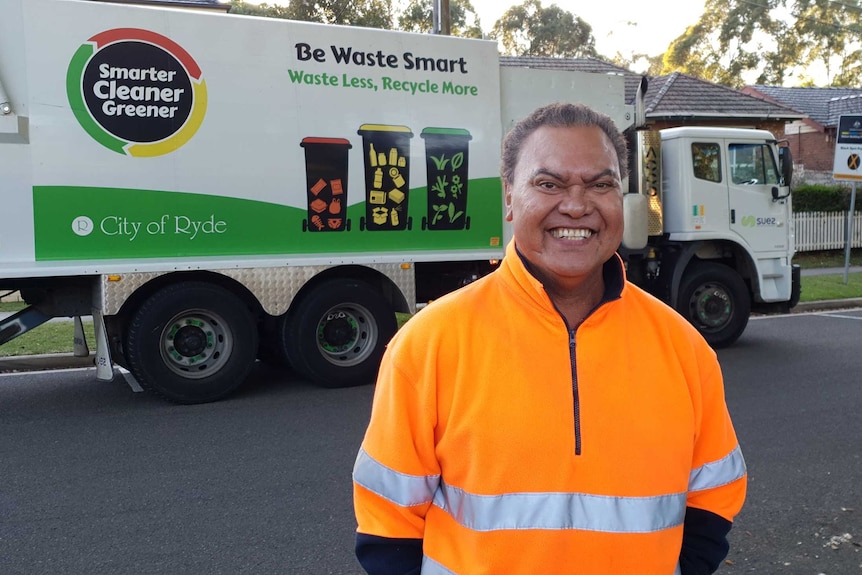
x=818, y=288
x=52, y=337
x=827, y=259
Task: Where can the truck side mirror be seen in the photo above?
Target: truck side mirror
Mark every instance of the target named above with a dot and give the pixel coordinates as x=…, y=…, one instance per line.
x=776, y=195
x=636, y=218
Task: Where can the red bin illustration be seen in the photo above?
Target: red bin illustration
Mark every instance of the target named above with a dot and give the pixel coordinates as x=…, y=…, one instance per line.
x=326, y=184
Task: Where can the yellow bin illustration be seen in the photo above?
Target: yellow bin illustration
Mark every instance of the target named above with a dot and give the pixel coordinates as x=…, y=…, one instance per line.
x=386, y=153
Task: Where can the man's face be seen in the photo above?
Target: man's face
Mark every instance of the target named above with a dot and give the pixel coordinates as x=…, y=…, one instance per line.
x=565, y=202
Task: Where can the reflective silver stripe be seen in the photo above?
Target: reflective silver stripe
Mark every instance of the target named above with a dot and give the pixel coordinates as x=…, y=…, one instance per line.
x=717, y=473
x=562, y=511
x=400, y=488
x=431, y=567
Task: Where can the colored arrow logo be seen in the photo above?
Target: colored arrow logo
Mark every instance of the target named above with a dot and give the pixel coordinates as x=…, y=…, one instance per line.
x=136, y=92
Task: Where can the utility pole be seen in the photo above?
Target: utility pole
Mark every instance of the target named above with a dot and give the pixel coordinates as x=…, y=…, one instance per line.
x=442, y=18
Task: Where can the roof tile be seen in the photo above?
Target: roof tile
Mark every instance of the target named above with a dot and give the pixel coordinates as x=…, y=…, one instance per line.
x=823, y=105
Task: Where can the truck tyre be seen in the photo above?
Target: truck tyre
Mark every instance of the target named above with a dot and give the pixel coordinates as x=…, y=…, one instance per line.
x=191, y=342
x=335, y=334
x=715, y=300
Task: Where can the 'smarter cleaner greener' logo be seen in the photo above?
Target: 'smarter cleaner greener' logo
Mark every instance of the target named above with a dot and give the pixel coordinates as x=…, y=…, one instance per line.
x=136, y=92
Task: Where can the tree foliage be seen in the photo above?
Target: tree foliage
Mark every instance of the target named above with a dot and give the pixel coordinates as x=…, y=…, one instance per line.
x=529, y=29
x=639, y=62
x=418, y=16
x=367, y=13
x=274, y=11
x=771, y=42
x=727, y=41
x=827, y=33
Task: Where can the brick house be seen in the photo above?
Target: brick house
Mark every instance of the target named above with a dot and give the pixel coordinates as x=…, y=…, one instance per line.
x=812, y=138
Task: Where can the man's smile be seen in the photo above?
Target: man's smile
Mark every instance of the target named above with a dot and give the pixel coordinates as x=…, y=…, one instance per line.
x=572, y=233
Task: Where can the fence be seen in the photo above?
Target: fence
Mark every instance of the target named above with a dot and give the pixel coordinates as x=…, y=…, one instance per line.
x=825, y=231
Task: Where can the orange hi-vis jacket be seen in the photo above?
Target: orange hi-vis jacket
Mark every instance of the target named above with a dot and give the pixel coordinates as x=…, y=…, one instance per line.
x=509, y=443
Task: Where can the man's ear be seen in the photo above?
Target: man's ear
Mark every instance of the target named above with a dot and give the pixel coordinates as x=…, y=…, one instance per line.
x=507, y=191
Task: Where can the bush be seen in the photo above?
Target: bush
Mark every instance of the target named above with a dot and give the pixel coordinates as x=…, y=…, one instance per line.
x=823, y=198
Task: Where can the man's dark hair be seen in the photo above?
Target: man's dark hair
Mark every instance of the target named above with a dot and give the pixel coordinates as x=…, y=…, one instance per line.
x=559, y=115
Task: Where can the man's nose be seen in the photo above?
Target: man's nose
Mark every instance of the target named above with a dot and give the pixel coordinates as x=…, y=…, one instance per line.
x=574, y=202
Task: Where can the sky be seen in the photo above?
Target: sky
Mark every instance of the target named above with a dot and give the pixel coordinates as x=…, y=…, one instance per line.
x=624, y=26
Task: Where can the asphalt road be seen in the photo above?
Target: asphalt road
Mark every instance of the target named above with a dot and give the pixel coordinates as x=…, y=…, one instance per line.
x=794, y=389
x=96, y=479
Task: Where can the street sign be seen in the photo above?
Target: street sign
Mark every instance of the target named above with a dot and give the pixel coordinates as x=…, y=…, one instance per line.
x=848, y=166
x=848, y=149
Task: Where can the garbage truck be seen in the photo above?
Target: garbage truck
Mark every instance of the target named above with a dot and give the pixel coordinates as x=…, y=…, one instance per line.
x=215, y=189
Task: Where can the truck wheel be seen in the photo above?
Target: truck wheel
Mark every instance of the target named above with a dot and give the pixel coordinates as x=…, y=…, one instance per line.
x=191, y=342
x=715, y=300
x=335, y=334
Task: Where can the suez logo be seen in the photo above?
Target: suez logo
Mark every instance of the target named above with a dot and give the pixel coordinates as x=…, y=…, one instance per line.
x=136, y=92
x=755, y=222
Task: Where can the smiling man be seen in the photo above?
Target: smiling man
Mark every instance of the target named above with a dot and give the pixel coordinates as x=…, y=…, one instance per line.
x=550, y=417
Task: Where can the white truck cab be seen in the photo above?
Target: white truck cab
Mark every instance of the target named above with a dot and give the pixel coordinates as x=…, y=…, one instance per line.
x=720, y=226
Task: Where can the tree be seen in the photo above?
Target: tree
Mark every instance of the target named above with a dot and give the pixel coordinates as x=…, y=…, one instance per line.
x=827, y=33
x=771, y=42
x=418, y=16
x=639, y=62
x=368, y=13
x=727, y=42
x=274, y=11
x=529, y=29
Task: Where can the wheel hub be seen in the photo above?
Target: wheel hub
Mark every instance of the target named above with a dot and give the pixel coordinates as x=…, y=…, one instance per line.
x=346, y=335
x=338, y=332
x=713, y=306
x=196, y=344
x=190, y=341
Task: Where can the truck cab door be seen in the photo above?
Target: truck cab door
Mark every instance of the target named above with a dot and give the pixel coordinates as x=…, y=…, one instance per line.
x=761, y=221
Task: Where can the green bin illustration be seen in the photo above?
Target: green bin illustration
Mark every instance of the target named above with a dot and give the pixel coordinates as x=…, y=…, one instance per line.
x=446, y=154
x=326, y=184
x=386, y=152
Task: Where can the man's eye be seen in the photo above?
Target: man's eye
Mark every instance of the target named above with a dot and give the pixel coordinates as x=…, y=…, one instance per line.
x=547, y=185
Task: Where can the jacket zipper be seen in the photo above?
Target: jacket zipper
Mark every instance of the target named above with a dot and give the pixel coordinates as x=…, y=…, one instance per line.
x=577, y=404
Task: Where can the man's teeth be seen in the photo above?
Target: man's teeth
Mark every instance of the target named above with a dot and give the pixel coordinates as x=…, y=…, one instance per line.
x=571, y=234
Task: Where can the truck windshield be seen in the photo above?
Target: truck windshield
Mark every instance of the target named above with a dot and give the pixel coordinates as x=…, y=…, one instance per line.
x=752, y=164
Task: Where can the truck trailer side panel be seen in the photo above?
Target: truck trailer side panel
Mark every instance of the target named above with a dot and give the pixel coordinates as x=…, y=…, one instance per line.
x=152, y=137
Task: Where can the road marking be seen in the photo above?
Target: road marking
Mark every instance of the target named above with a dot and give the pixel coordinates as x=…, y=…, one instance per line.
x=840, y=316
x=44, y=371
x=804, y=313
x=130, y=379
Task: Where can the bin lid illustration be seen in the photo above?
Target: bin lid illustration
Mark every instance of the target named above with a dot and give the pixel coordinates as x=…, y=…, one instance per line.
x=446, y=132
x=367, y=128
x=331, y=141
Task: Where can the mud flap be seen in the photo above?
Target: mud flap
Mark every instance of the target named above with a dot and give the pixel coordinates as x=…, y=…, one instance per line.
x=104, y=364
x=795, y=285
